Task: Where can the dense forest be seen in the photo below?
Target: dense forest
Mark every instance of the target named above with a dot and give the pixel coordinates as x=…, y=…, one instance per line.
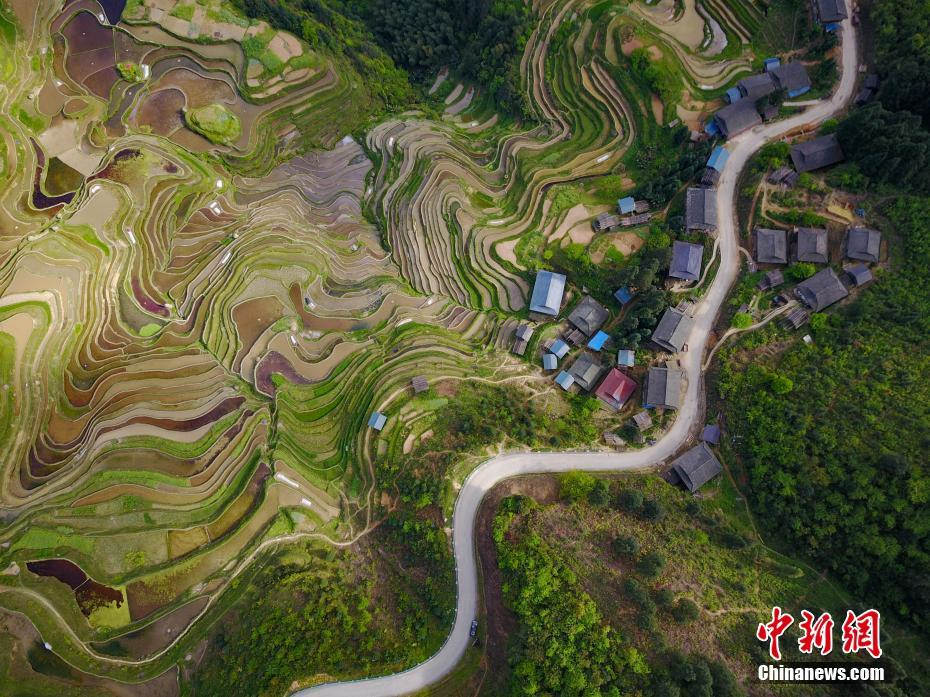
x=889, y=141
x=389, y=40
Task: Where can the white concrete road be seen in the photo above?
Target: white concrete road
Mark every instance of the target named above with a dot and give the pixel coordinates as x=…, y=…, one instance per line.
x=505, y=466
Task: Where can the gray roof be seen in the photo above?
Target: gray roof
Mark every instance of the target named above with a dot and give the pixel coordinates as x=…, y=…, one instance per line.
x=606, y=221
x=550, y=362
x=756, y=86
x=791, y=76
x=821, y=290
x=711, y=434
x=588, y=315
x=830, y=10
x=817, y=153
x=738, y=117
x=701, y=209
x=673, y=330
x=859, y=274
x=663, y=388
x=642, y=420
x=547, y=293
x=586, y=370
x=773, y=278
x=524, y=332
x=771, y=246
x=696, y=467
x=863, y=243
x=420, y=384
x=812, y=245
x=686, y=261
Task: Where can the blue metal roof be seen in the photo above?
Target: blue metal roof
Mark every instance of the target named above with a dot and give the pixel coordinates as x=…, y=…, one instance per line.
x=626, y=204
x=831, y=26
x=550, y=361
x=770, y=64
x=597, y=341
x=626, y=357
x=564, y=380
x=559, y=348
x=547, y=293
x=711, y=128
x=718, y=158
x=377, y=420
x=799, y=92
x=623, y=295
x=734, y=95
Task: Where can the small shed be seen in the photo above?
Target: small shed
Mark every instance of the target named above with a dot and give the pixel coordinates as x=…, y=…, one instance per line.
x=377, y=420
x=643, y=420
x=559, y=348
x=626, y=205
x=626, y=358
x=718, y=158
x=623, y=295
x=711, y=434
x=420, y=384
x=598, y=340
x=549, y=361
x=564, y=380
x=858, y=275
x=769, y=64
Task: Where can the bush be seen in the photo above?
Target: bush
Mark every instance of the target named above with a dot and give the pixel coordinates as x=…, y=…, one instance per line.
x=800, y=271
x=651, y=564
x=630, y=500
x=576, y=486
x=742, y=320
x=626, y=546
x=665, y=597
x=685, y=611
x=599, y=494
x=652, y=510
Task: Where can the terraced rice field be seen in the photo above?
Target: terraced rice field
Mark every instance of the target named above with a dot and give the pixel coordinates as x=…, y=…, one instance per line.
x=194, y=331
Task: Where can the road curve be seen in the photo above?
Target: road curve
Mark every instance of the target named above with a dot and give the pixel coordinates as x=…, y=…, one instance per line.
x=482, y=479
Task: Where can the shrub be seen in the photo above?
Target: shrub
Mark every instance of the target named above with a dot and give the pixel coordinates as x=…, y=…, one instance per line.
x=626, y=546
x=651, y=564
x=742, y=320
x=652, y=510
x=576, y=486
x=599, y=494
x=665, y=597
x=685, y=611
x=630, y=500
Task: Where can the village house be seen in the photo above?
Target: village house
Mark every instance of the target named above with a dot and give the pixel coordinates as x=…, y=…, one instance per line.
x=588, y=315
x=585, y=371
x=673, y=330
x=829, y=12
x=771, y=246
x=643, y=421
x=817, y=153
x=686, y=261
x=701, y=209
x=420, y=384
x=863, y=244
x=736, y=118
x=377, y=420
x=792, y=77
x=858, y=275
x=521, y=338
x=811, y=245
x=663, y=388
x=564, y=380
x=773, y=278
x=821, y=290
x=547, y=293
x=615, y=389
x=695, y=467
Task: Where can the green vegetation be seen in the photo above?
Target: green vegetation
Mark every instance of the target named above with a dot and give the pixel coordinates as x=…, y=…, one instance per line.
x=183, y=11
x=130, y=71
x=833, y=435
x=215, y=122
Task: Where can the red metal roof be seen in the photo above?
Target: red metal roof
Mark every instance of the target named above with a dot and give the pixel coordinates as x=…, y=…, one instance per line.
x=616, y=388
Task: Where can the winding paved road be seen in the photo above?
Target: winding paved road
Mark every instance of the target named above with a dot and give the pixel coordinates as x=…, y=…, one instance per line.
x=503, y=467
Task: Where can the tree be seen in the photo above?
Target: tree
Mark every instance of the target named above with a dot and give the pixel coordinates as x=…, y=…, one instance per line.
x=651, y=564
x=685, y=611
x=625, y=546
x=652, y=510
x=630, y=500
x=576, y=486
x=599, y=494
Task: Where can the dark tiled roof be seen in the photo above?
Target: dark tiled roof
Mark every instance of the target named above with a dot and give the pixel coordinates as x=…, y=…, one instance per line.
x=701, y=209
x=697, y=466
x=812, y=245
x=420, y=384
x=791, y=77
x=821, y=290
x=863, y=244
x=773, y=278
x=606, y=221
x=711, y=434
x=738, y=117
x=663, y=388
x=756, y=86
x=588, y=315
x=586, y=371
x=771, y=246
x=673, y=330
x=830, y=10
x=859, y=274
x=817, y=153
x=686, y=261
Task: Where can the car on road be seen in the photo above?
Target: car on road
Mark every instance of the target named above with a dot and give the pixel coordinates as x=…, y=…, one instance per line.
x=474, y=628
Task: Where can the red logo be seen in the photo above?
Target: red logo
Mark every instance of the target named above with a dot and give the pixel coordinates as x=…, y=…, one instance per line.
x=818, y=634
x=770, y=631
x=860, y=632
